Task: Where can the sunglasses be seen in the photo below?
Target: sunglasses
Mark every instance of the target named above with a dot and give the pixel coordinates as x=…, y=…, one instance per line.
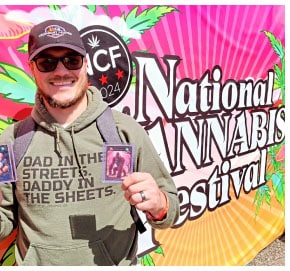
x=49, y=64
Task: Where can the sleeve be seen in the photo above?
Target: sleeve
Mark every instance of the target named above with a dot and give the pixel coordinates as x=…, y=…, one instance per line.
x=148, y=160
x=8, y=206
x=8, y=217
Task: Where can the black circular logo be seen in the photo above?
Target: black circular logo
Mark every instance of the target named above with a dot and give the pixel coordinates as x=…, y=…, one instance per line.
x=109, y=62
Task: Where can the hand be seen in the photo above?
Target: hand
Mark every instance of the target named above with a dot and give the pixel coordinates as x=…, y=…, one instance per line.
x=138, y=183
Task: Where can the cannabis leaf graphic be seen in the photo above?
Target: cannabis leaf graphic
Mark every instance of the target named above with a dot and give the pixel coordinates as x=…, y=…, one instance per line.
x=147, y=259
x=8, y=258
x=278, y=177
x=4, y=124
x=94, y=42
x=275, y=168
x=280, y=72
x=262, y=194
x=16, y=85
x=146, y=19
x=54, y=7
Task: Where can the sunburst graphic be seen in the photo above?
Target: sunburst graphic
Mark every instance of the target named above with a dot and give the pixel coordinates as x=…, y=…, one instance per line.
x=205, y=36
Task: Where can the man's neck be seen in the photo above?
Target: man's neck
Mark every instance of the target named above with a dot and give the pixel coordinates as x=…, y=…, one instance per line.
x=68, y=115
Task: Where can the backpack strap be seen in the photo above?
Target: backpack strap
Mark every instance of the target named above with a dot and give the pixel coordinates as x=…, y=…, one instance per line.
x=105, y=127
x=110, y=134
x=24, y=133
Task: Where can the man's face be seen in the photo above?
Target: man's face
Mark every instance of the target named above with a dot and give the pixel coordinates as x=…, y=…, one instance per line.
x=62, y=87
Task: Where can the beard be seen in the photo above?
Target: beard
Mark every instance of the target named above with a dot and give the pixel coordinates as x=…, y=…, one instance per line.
x=54, y=103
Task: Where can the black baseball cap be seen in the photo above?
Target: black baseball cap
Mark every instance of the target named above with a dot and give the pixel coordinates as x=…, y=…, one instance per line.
x=54, y=33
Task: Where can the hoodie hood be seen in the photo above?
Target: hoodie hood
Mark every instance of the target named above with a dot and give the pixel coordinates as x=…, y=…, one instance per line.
x=95, y=107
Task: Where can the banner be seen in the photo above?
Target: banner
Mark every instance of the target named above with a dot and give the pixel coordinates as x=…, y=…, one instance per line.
x=207, y=82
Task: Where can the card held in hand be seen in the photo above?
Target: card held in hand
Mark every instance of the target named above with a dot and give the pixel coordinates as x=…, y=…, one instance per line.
x=118, y=162
x=7, y=164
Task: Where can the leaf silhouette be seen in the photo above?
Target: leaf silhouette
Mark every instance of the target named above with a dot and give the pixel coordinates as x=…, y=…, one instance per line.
x=55, y=7
x=276, y=169
x=279, y=50
x=91, y=8
x=159, y=250
x=147, y=260
x=276, y=44
x=146, y=19
x=16, y=85
x=8, y=258
x=23, y=48
x=279, y=187
x=262, y=194
x=4, y=124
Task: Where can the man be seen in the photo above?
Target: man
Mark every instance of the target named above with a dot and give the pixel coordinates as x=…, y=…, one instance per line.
x=65, y=214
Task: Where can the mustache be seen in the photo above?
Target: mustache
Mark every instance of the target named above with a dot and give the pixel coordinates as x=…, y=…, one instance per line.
x=62, y=78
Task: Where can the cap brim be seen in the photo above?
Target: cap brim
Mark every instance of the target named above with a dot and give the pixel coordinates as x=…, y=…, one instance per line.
x=69, y=46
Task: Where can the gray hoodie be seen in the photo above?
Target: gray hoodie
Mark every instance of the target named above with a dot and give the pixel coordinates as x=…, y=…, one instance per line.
x=64, y=213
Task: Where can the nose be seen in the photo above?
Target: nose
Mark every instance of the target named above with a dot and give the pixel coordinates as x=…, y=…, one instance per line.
x=60, y=68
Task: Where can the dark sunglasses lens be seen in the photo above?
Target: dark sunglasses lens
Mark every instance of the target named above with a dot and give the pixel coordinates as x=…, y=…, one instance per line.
x=45, y=64
x=48, y=64
x=73, y=62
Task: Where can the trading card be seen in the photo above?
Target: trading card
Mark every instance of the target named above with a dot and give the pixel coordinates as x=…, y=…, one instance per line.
x=7, y=164
x=118, y=162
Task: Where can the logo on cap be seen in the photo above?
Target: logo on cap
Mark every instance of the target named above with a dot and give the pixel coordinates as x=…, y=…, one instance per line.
x=54, y=31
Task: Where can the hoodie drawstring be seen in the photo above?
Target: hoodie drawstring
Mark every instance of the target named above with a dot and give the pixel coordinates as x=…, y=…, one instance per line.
x=58, y=149
x=76, y=153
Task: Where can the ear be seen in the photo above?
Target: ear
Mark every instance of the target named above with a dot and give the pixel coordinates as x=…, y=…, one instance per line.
x=85, y=65
x=31, y=66
x=85, y=60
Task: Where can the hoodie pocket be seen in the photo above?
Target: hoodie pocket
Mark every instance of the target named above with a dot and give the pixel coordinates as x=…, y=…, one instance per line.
x=94, y=253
